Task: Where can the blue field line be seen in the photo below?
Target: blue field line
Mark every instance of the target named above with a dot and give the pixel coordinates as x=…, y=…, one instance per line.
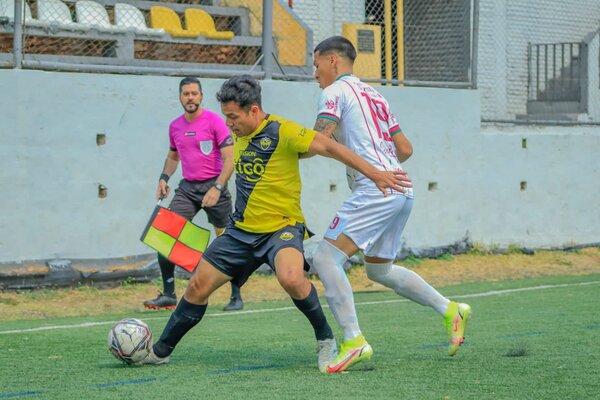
x=19, y=394
x=520, y=335
x=269, y=310
x=595, y=326
x=432, y=346
x=245, y=368
x=123, y=383
x=441, y=345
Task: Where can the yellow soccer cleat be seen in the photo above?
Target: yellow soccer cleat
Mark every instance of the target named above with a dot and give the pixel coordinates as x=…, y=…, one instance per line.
x=351, y=352
x=456, y=318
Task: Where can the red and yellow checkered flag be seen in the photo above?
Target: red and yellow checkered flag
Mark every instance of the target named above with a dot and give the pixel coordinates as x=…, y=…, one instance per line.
x=176, y=238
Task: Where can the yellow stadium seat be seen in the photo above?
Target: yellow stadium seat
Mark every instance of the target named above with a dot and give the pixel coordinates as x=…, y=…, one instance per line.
x=167, y=19
x=200, y=22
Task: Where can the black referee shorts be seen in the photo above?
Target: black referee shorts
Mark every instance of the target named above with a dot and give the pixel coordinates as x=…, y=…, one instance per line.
x=187, y=202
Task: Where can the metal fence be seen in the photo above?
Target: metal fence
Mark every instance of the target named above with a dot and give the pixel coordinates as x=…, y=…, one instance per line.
x=556, y=71
x=411, y=42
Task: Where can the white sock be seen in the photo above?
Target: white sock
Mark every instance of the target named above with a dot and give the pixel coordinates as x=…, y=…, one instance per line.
x=408, y=284
x=329, y=262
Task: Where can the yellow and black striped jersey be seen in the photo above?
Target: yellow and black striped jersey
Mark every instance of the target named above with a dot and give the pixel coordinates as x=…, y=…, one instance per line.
x=267, y=177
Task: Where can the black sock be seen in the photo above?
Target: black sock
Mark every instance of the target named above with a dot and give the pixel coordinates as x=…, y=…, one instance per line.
x=311, y=307
x=184, y=318
x=167, y=271
x=235, y=291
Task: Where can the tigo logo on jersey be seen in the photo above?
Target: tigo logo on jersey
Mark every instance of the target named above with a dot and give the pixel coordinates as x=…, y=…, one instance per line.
x=252, y=170
x=286, y=236
x=206, y=147
x=265, y=143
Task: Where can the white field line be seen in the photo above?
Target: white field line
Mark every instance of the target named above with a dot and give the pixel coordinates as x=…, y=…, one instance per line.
x=267, y=310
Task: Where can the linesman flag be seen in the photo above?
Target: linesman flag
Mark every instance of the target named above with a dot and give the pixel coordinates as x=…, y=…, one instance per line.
x=176, y=238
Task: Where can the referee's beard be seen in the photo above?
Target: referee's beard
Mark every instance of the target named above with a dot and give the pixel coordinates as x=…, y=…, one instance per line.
x=191, y=108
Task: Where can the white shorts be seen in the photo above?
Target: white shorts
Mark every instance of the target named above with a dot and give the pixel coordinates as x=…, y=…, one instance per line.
x=373, y=222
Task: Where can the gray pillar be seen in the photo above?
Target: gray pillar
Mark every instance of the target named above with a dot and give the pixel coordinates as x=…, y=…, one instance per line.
x=475, y=44
x=18, y=36
x=267, y=38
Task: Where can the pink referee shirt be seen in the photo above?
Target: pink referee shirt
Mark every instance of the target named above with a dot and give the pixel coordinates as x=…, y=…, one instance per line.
x=198, y=144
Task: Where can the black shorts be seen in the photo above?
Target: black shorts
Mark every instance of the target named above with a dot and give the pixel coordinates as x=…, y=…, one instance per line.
x=238, y=253
x=188, y=199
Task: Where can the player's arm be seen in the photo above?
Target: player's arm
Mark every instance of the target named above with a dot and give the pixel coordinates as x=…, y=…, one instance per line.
x=327, y=147
x=212, y=195
x=169, y=169
x=403, y=146
x=324, y=126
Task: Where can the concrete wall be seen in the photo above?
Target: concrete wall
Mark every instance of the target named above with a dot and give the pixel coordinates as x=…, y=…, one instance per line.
x=506, y=28
x=50, y=166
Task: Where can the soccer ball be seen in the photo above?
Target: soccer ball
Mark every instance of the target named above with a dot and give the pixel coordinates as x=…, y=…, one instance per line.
x=130, y=340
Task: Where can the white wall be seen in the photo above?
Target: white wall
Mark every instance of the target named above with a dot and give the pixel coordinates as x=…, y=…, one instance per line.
x=50, y=166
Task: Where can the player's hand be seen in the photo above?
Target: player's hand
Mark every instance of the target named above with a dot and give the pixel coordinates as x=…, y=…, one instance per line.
x=211, y=197
x=163, y=190
x=395, y=180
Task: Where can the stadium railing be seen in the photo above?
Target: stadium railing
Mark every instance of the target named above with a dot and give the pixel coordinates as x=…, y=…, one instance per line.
x=90, y=41
x=400, y=43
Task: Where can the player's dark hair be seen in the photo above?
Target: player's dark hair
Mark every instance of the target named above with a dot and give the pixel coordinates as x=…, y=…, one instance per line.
x=241, y=89
x=339, y=45
x=189, y=80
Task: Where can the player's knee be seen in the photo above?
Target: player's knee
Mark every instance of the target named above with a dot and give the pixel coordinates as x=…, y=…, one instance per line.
x=196, y=291
x=293, y=284
x=378, y=272
x=327, y=256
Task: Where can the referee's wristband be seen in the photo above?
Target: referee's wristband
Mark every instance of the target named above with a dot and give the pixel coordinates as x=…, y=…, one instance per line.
x=164, y=177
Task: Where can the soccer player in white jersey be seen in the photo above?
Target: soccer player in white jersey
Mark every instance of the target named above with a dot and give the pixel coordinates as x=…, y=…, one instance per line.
x=357, y=116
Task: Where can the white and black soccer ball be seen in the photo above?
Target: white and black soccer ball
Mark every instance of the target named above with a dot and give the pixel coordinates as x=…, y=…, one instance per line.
x=130, y=340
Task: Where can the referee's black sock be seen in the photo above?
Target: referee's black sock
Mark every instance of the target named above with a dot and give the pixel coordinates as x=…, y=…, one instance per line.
x=167, y=272
x=311, y=307
x=184, y=318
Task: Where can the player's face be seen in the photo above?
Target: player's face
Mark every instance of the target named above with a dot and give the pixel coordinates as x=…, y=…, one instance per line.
x=240, y=121
x=325, y=72
x=190, y=97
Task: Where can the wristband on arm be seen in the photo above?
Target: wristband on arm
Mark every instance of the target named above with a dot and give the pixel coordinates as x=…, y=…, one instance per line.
x=164, y=177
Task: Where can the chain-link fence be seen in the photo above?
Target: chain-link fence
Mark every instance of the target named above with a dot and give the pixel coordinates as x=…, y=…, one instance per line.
x=398, y=41
x=420, y=40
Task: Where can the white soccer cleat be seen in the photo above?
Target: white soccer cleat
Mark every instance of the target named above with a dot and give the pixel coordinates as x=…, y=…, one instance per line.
x=153, y=359
x=327, y=350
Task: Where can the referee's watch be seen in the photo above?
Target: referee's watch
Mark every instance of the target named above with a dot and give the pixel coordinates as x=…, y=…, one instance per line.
x=219, y=187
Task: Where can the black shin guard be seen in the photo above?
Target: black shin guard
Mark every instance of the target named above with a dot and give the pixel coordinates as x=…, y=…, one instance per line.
x=184, y=318
x=311, y=307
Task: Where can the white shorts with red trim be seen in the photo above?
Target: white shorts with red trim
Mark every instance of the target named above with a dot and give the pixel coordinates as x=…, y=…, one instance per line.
x=373, y=222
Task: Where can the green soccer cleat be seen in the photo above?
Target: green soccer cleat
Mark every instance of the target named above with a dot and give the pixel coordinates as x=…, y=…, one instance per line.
x=456, y=318
x=351, y=352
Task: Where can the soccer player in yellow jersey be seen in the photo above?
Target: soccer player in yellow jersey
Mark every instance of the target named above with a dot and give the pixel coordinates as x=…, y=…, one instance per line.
x=267, y=225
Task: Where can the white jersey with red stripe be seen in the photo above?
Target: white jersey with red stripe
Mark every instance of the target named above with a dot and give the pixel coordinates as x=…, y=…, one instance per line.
x=365, y=125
